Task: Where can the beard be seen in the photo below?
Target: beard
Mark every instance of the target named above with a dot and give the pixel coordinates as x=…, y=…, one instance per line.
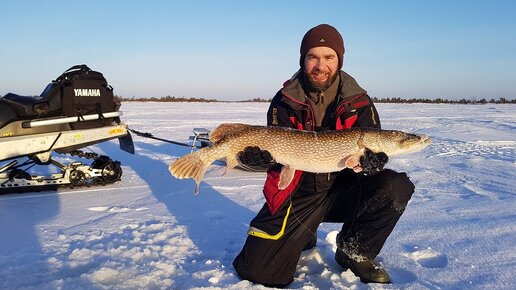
x=319, y=86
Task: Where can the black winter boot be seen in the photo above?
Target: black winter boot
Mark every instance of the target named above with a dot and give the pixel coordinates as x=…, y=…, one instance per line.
x=369, y=271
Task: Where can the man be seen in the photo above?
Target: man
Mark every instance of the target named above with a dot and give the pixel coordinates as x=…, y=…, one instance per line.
x=367, y=200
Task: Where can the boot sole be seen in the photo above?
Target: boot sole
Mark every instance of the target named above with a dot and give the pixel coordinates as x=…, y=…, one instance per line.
x=346, y=266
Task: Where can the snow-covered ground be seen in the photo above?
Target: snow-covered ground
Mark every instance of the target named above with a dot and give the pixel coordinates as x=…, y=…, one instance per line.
x=150, y=231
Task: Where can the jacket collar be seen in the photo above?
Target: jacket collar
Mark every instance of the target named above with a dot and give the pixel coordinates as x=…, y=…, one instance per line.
x=293, y=88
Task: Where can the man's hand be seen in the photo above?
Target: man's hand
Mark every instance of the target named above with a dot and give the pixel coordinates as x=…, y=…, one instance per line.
x=254, y=156
x=371, y=162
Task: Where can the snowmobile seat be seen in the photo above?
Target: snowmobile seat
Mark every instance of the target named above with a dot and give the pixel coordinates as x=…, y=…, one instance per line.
x=13, y=106
x=7, y=114
x=22, y=105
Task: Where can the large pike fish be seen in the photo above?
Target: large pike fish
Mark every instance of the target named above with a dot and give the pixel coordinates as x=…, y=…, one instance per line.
x=320, y=152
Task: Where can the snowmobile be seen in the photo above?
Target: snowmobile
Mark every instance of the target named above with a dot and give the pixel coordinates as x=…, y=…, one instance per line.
x=76, y=110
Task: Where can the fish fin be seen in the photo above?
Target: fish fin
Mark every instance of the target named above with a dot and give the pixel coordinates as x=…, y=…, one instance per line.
x=286, y=177
x=351, y=162
x=189, y=166
x=360, y=141
x=224, y=130
x=231, y=162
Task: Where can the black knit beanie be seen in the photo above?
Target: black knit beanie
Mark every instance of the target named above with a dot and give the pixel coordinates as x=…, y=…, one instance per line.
x=322, y=35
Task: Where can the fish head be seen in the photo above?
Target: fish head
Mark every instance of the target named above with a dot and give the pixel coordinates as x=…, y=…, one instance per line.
x=396, y=142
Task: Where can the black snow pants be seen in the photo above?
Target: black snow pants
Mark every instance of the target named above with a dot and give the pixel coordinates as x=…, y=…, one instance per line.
x=368, y=206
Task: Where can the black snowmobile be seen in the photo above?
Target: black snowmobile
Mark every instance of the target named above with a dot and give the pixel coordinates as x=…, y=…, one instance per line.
x=77, y=109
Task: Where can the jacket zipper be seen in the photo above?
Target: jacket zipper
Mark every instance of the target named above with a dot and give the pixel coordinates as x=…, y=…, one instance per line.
x=306, y=105
x=341, y=105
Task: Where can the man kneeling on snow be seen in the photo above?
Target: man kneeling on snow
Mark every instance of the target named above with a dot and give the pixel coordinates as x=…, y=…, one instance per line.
x=367, y=200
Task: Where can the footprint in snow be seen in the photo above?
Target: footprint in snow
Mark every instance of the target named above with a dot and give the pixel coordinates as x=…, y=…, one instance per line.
x=99, y=208
x=109, y=209
x=399, y=275
x=427, y=258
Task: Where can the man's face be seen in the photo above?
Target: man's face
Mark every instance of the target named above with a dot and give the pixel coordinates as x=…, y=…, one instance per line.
x=321, y=67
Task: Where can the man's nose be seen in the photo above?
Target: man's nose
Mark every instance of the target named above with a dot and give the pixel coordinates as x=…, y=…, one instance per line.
x=320, y=64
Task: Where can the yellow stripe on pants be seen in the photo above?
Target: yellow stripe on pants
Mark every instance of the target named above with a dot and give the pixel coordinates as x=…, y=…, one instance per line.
x=261, y=234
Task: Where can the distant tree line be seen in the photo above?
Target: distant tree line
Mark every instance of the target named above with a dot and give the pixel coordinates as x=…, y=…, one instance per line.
x=396, y=100
x=168, y=99
x=444, y=101
x=255, y=100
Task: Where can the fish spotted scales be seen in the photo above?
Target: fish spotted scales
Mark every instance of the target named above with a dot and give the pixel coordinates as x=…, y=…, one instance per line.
x=319, y=152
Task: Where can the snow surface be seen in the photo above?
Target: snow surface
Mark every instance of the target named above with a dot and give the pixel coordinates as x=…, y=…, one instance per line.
x=150, y=232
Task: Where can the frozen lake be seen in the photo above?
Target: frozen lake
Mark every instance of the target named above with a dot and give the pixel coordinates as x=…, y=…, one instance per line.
x=150, y=231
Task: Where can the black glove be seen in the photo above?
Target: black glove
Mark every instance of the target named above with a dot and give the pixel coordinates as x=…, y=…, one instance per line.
x=372, y=163
x=254, y=156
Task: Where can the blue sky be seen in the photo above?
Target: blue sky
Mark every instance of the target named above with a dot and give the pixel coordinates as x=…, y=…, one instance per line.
x=234, y=50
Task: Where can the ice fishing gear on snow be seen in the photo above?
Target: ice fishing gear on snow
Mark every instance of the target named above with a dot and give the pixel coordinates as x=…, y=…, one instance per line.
x=76, y=110
x=200, y=136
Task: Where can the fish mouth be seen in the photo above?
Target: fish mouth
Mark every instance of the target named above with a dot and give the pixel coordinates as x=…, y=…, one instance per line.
x=417, y=143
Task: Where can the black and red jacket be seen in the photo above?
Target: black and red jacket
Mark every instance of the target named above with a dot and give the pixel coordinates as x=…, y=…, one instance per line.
x=289, y=108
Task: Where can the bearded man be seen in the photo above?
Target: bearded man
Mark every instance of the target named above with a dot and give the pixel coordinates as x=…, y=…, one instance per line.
x=368, y=200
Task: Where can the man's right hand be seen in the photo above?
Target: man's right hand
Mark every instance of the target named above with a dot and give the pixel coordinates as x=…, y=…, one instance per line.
x=254, y=156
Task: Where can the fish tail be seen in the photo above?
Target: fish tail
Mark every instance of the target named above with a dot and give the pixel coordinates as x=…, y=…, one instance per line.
x=189, y=166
